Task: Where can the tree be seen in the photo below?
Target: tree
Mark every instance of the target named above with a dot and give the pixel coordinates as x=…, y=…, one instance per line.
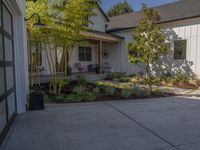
x=149, y=42
x=65, y=23
x=119, y=9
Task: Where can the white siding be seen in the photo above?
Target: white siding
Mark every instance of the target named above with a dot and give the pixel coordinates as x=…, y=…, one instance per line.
x=98, y=21
x=186, y=29
x=127, y=66
x=114, y=55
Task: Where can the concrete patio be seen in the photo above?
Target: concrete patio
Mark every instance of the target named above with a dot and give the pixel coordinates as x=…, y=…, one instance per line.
x=153, y=124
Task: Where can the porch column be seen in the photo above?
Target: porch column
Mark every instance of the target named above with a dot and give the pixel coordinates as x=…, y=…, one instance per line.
x=101, y=53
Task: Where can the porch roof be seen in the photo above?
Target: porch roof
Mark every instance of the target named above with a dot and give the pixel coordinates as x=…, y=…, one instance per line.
x=105, y=37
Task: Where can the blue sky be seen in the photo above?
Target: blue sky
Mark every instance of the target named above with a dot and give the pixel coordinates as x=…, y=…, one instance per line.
x=136, y=4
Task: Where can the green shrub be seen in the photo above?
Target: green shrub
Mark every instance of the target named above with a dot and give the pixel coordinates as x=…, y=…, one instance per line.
x=84, y=97
x=181, y=77
x=79, y=90
x=110, y=91
x=59, y=98
x=110, y=76
x=115, y=80
x=81, y=80
x=46, y=98
x=73, y=98
x=136, y=91
x=89, y=97
x=126, y=93
x=96, y=91
x=124, y=79
x=145, y=92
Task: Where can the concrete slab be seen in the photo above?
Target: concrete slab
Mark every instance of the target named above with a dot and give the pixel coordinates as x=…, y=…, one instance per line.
x=153, y=124
x=175, y=122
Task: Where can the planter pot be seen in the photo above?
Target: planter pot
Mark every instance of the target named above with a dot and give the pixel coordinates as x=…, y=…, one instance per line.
x=36, y=101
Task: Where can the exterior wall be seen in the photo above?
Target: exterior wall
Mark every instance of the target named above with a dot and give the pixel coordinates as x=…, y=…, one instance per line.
x=17, y=7
x=128, y=68
x=99, y=21
x=186, y=30
x=114, y=53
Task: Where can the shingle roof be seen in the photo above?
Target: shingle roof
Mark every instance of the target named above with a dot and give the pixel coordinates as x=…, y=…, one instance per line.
x=182, y=9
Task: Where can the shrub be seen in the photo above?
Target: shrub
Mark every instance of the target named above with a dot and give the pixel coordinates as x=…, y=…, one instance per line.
x=73, y=98
x=46, y=98
x=89, y=97
x=145, y=92
x=125, y=93
x=81, y=80
x=79, y=90
x=110, y=76
x=181, y=77
x=96, y=91
x=60, y=98
x=136, y=91
x=124, y=79
x=84, y=97
x=116, y=80
x=110, y=91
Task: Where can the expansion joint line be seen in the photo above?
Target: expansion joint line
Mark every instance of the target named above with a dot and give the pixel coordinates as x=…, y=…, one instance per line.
x=141, y=125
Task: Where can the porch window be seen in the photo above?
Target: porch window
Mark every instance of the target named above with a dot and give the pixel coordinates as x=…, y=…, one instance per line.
x=85, y=53
x=180, y=49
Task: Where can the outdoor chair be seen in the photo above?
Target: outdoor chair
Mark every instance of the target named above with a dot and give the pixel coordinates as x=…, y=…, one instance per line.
x=80, y=67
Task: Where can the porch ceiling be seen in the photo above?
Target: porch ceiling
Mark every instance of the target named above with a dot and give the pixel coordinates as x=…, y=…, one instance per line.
x=101, y=36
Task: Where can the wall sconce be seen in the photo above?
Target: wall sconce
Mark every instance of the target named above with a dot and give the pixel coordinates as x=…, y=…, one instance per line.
x=38, y=24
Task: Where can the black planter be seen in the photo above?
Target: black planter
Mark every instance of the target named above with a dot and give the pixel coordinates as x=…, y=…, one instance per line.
x=36, y=100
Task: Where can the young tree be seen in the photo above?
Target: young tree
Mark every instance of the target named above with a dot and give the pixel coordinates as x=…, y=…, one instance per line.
x=149, y=42
x=65, y=23
x=119, y=9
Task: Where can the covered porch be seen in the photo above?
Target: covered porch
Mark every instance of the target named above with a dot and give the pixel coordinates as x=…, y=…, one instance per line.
x=101, y=50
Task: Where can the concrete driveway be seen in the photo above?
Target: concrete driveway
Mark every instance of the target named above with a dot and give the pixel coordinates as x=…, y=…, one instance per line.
x=154, y=124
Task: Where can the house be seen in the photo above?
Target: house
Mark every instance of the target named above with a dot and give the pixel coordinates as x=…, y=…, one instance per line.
x=13, y=59
x=181, y=21
x=107, y=43
x=106, y=46
x=100, y=49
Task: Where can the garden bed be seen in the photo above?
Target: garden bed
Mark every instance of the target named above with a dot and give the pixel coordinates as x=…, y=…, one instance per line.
x=84, y=91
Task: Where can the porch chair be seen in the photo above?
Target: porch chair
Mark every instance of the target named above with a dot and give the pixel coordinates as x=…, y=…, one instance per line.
x=80, y=67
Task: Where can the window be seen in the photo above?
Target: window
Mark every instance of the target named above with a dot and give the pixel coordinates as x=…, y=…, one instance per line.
x=180, y=49
x=85, y=53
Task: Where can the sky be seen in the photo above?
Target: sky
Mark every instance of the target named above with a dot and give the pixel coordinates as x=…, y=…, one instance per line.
x=136, y=4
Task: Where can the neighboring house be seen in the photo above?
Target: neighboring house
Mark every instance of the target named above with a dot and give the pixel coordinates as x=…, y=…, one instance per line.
x=13, y=59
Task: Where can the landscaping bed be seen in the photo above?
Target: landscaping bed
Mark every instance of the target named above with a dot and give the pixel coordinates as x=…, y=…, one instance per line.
x=84, y=91
x=179, y=80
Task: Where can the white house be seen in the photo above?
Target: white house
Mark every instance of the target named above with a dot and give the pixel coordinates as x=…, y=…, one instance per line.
x=181, y=20
x=13, y=63
x=107, y=43
x=106, y=46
